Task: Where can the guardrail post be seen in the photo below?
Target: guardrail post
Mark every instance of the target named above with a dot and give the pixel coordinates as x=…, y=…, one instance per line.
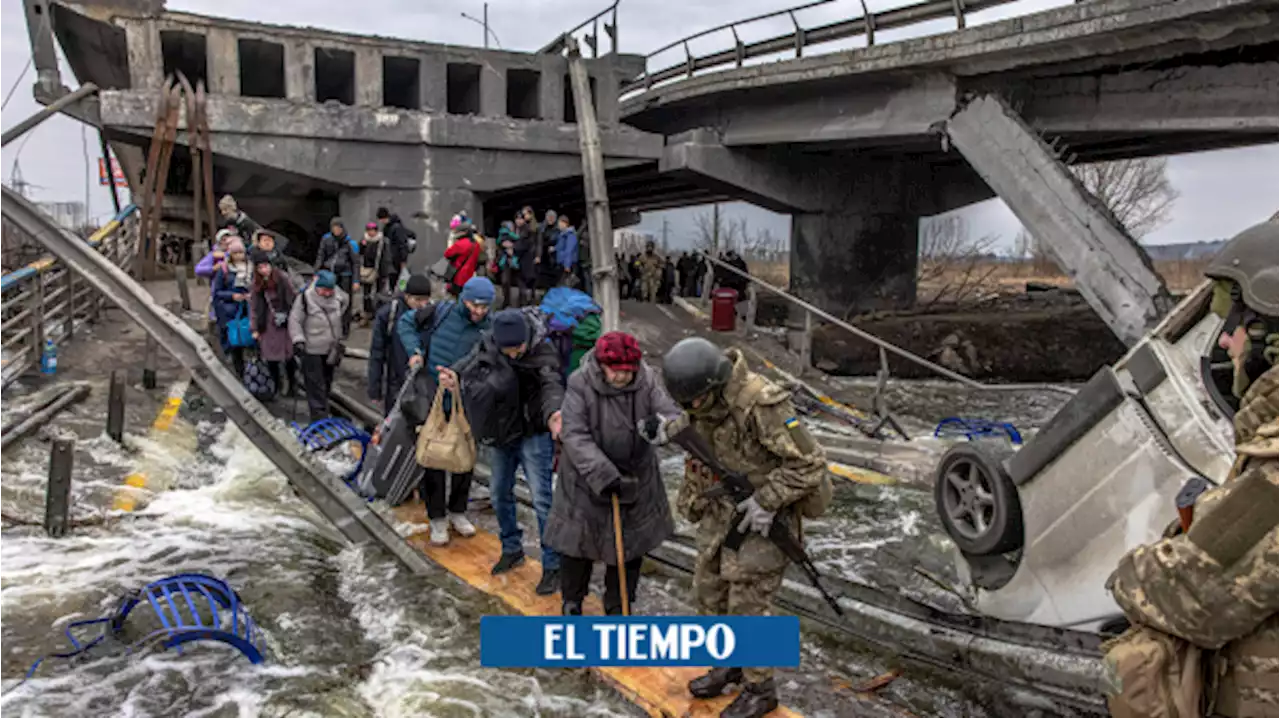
x=37, y=316
x=149, y=364
x=57, y=496
x=70, y=327
x=184, y=292
x=115, y=407
x=806, y=344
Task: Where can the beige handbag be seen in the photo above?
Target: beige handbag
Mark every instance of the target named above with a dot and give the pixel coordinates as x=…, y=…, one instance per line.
x=446, y=444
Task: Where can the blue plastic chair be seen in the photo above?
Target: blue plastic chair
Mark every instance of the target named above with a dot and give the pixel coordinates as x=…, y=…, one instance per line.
x=975, y=428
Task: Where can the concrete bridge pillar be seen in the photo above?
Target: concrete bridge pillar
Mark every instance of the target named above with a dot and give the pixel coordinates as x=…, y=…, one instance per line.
x=859, y=252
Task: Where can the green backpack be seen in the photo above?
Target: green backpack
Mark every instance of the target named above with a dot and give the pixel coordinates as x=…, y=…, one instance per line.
x=584, y=337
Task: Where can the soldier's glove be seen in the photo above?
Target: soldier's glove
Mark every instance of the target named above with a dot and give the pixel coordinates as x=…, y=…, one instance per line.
x=653, y=430
x=755, y=518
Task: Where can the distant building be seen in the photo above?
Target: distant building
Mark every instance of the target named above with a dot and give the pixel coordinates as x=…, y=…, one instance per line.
x=71, y=215
x=626, y=241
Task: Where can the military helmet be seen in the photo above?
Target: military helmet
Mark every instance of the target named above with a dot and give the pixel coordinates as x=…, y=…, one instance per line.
x=693, y=367
x=1250, y=260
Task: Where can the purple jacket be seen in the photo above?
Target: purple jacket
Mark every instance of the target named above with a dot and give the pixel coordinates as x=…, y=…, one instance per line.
x=204, y=268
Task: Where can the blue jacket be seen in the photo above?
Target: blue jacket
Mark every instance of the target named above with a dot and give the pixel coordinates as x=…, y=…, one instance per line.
x=567, y=248
x=453, y=338
x=223, y=288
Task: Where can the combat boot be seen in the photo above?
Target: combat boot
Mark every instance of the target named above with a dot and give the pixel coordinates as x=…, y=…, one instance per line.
x=713, y=683
x=571, y=608
x=755, y=701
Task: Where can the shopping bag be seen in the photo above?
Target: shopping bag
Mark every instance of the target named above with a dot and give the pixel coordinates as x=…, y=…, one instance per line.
x=239, y=331
x=257, y=379
x=446, y=443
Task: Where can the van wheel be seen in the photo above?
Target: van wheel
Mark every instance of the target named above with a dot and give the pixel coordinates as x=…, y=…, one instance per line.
x=977, y=501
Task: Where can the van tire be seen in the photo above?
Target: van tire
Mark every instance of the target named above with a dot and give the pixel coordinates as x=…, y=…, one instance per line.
x=976, y=500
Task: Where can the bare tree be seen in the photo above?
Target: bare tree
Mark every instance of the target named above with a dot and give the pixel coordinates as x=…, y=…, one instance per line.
x=1136, y=191
x=952, y=262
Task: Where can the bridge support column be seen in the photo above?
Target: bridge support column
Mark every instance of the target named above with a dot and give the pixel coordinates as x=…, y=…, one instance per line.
x=860, y=251
x=1111, y=270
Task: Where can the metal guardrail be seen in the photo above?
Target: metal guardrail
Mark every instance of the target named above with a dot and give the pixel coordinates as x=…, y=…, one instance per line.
x=885, y=347
x=45, y=299
x=800, y=38
x=592, y=40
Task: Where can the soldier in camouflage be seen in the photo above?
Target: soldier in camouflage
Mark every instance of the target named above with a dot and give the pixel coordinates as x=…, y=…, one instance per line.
x=1216, y=585
x=751, y=426
x=651, y=265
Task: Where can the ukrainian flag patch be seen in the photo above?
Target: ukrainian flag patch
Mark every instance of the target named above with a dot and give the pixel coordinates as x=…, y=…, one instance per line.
x=792, y=422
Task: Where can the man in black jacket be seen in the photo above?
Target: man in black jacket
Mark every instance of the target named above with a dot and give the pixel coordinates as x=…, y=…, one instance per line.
x=512, y=389
x=397, y=238
x=388, y=359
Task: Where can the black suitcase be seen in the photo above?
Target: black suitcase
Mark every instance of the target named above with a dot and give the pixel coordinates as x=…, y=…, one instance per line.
x=391, y=469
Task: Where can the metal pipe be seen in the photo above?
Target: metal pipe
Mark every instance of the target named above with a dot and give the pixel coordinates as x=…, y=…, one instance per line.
x=882, y=343
x=48, y=111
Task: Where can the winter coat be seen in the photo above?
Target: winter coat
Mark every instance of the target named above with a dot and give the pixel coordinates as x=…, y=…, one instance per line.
x=599, y=445
x=528, y=248
x=265, y=300
x=205, y=268
x=373, y=251
x=567, y=248
x=510, y=399
x=464, y=254
x=549, y=271
x=316, y=321
x=388, y=360
x=397, y=246
x=245, y=226
x=223, y=289
x=337, y=255
x=444, y=343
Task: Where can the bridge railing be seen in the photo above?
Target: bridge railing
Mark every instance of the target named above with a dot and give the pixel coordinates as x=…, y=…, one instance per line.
x=866, y=24
x=609, y=16
x=45, y=300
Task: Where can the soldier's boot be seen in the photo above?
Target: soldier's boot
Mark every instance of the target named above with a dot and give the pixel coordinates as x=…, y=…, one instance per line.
x=713, y=683
x=755, y=701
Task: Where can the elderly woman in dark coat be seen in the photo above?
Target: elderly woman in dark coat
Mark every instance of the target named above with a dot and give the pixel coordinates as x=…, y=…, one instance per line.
x=603, y=455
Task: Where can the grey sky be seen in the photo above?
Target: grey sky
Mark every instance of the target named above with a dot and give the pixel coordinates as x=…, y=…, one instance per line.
x=1221, y=192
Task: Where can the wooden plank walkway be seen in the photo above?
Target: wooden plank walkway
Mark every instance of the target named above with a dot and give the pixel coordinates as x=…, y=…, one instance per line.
x=662, y=692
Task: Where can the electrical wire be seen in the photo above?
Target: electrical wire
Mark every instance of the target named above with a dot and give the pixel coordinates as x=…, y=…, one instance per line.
x=8, y=95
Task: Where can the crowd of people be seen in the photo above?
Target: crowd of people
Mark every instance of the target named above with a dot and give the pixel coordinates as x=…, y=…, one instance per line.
x=650, y=277
x=585, y=407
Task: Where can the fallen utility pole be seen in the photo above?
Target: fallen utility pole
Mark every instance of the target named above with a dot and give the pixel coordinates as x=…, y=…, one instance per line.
x=604, y=268
x=41, y=416
x=49, y=110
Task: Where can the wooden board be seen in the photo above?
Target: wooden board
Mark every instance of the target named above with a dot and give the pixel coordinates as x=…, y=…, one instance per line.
x=662, y=692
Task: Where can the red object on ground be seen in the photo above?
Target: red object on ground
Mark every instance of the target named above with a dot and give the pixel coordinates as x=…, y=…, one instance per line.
x=723, y=305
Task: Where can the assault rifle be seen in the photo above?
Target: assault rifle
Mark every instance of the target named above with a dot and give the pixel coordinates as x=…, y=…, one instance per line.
x=738, y=487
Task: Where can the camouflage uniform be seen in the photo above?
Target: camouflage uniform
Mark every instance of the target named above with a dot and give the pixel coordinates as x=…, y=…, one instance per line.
x=752, y=429
x=651, y=266
x=1222, y=597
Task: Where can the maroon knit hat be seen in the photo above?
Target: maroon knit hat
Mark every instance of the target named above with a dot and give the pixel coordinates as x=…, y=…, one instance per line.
x=618, y=351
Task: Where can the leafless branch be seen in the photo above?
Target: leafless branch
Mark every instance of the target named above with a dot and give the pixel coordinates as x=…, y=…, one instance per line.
x=1136, y=191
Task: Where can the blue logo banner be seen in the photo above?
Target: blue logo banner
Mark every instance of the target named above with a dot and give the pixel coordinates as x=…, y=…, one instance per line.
x=581, y=641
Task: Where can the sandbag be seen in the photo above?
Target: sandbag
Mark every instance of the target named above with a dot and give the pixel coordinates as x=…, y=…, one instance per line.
x=446, y=443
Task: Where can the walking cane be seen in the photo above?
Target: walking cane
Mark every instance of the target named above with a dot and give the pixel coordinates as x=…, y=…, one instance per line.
x=622, y=567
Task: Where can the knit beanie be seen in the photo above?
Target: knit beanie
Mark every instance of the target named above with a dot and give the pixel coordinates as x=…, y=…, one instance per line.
x=259, y=256
x=618, y=351
x=418, y=285
x=325, y=279
x=510, y=328
x=478, y=290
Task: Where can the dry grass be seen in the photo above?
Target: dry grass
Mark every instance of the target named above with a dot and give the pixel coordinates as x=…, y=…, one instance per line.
x=985, y=279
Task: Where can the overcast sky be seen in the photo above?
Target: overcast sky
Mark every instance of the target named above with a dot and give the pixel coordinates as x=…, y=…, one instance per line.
x=1221, y=192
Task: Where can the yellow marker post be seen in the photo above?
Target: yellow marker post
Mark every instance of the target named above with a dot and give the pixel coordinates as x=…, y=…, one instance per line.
x=126, y=499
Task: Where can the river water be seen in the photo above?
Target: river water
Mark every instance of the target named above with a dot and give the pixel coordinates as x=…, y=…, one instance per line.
x=349, y=634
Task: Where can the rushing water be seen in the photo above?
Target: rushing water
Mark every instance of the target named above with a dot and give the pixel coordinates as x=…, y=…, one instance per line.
x=349, y=633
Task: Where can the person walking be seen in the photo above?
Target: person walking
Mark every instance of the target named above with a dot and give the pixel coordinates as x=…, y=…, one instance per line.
x=463, y=254
x=315, y=327
x=603, y=456
x=436, y=341
x=567, y=252
x=513, y=386
x=339, y=254
x=388, y=358
x=230, y=292
x=270, y=301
